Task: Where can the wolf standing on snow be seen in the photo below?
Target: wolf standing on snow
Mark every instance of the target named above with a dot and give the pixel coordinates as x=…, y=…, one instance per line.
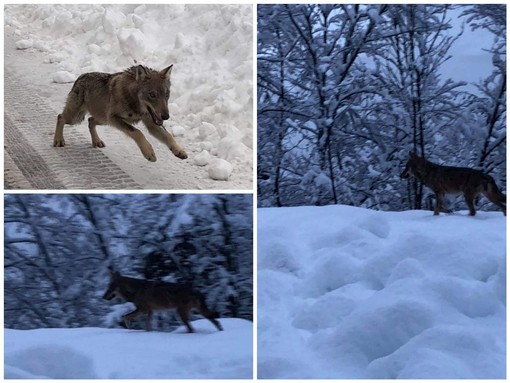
x=454, y=180
x=120, y=100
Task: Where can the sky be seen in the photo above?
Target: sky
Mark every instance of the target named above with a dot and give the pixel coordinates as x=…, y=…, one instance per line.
x=469, y=62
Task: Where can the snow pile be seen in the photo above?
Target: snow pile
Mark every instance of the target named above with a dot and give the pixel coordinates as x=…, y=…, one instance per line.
x=98, y=353
x=209, y=45
x=366, y=294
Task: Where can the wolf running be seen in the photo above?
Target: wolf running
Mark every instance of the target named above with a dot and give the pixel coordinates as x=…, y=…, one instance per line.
x=120, y=100
x=149, y=296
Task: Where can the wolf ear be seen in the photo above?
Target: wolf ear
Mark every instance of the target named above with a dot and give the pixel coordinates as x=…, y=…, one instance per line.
x=141, y=73
x=165, y=73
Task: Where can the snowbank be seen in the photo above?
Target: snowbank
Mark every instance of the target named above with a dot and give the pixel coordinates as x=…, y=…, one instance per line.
x=98, y=353
x=365, y=294
x=209, y=45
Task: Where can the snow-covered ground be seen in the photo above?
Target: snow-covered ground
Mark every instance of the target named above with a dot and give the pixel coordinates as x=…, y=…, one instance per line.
x=345, y=292
x=211, y=102
x=99, y=353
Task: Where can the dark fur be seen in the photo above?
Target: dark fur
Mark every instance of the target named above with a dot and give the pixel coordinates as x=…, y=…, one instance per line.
x=149, y=296
x=120, y=100
x=453, y=180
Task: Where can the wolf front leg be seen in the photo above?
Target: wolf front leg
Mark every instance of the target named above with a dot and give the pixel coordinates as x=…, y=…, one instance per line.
x=130, y=316
x=165, y=137
x=135, y=134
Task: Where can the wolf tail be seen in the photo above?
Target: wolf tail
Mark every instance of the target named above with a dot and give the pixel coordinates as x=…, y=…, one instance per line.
x=493, y=189
x=495, y=195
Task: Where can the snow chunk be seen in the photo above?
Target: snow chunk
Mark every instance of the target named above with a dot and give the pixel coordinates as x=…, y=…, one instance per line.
x=24, y=44
x=220, y=170
x=112, y=20
x=178, y=131
x=230, y=148
x=206, y=130
x=132, y=42
x=63, y=77
x=94, y=48
x=202, y=158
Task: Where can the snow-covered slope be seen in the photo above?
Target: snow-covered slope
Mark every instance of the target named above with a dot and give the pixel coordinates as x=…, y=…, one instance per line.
x=346, y=292
x=98, y=353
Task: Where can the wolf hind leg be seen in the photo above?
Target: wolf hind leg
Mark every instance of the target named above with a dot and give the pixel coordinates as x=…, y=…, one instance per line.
x=469, y=197
x=96, y=141
x=74, y=113
x=204, y=310
x=184, y=314
x=494, y=195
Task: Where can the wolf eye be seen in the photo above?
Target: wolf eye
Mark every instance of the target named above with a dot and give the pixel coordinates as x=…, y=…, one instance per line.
x=167, y=93
x=152, y=94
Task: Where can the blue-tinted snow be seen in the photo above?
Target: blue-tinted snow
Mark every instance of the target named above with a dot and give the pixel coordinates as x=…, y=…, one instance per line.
x=346, y=292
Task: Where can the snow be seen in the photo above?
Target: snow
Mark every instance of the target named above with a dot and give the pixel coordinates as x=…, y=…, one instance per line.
x=220, y=170
x=63, y=77
x=24, y=44
x=203, y=158
x=99, y=353
x=209, y=45
x=380, y=295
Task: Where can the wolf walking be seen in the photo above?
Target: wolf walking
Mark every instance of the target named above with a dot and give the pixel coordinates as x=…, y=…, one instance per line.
x=149, y=296
x=454, y=180
x=120, y=100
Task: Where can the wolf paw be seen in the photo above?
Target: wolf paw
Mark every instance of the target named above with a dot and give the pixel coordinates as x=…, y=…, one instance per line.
x=180, y=153
x=98, y=144
x=59, y=142
x=150, y=155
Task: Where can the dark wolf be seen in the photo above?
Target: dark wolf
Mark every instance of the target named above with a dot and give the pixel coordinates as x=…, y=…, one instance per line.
x=150, y=296
x=120, y=100
x=454, y=180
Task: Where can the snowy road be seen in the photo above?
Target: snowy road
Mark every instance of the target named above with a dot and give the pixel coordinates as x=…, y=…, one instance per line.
x=32, y=102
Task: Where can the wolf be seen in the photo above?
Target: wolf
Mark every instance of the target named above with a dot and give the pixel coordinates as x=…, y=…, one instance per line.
x=454, y=180
x=150, y=296
x=120, y=100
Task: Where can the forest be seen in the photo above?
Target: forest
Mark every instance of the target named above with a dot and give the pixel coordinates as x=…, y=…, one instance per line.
x=347, y=92
x=59, y=248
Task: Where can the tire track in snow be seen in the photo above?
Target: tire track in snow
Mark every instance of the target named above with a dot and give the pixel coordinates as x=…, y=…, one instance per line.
x=29, y=127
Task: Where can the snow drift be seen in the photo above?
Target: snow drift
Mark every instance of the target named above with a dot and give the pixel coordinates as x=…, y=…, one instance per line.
x=369, y=294
x=99, y=353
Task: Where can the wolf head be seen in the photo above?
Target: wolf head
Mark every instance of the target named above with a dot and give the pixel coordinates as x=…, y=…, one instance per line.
x=153, y=91
x=413, y=165
x=113, y=290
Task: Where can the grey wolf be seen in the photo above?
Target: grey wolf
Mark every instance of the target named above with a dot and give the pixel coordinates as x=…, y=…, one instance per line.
x=150, y=296
x=120, y=100
x=454, y=180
